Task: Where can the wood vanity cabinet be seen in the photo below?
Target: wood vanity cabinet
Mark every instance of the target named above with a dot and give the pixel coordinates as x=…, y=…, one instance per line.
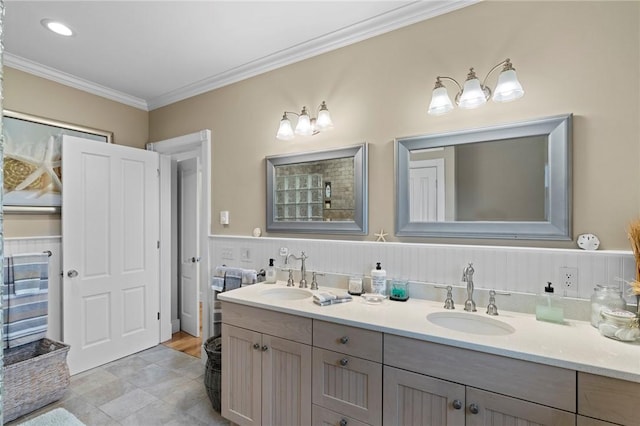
x=347, y=375
x=266, y=367
x=453, y=386
x=607, y=400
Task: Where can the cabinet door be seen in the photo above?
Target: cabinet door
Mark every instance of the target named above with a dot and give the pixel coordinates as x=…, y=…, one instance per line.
x=348, y=385
x=241, y=375
x=487, y=408
x=286, y=382
x=414, y=399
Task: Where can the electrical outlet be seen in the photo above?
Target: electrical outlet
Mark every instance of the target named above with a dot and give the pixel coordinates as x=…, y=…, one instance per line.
x=226, y=253
x=569, y=281
x=245, y=255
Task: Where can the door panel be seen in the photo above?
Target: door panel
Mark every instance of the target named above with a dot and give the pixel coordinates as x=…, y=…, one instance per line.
x=189, y=182
x=110, y=263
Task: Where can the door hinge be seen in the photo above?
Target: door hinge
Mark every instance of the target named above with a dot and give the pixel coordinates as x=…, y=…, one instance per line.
x=158, y=245
x=158, y=172
x=158, y=316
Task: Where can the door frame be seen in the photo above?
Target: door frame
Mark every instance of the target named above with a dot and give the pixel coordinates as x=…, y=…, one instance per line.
x=179, y=148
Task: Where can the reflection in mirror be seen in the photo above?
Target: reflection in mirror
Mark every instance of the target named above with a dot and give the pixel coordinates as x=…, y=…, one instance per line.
x=510, y=181
x=322, y=191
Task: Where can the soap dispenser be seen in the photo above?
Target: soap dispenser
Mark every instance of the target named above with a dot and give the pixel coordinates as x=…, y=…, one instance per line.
x=549, y=306
x=271, y=273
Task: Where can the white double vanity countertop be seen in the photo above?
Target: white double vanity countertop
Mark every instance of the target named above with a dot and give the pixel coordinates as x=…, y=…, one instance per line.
x=573, y=345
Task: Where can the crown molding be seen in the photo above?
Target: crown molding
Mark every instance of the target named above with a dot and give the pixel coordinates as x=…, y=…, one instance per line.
x=401, y=17
x=70, y=80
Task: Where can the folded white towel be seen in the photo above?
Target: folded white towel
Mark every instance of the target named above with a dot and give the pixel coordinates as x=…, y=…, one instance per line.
x=328, y=298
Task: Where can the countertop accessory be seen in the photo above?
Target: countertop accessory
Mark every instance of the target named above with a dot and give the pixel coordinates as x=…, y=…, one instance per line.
x=605, y=297
x=549, y=306
x=399, y=290
x=257, y=232
x=619, y=324
x=373, y=298
x=355, y=285
x=588, y=242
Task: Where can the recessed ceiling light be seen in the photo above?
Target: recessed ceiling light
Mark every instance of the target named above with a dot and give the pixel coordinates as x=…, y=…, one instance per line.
x=57, y=27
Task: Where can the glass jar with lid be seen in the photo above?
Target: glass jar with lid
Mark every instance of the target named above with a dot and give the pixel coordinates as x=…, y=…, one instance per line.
x=605, y=296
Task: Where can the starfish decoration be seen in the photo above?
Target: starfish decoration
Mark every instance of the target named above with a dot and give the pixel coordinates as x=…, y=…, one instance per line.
x=381, y=235
x=44, y=166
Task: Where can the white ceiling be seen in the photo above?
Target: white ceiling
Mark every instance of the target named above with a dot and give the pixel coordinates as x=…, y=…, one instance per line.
x=148, y=54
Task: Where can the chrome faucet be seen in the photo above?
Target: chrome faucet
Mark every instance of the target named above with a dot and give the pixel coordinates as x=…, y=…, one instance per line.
x=467, y=276
x=303, y=268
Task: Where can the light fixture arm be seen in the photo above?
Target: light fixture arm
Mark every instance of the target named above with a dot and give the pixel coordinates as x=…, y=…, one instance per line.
x=439, y=83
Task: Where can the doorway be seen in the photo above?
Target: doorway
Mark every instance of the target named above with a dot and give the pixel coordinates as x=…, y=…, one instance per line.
x=184, y=223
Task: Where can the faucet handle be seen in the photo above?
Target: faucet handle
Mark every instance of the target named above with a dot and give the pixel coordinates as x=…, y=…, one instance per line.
x=290, y=280
x=314, y=282
x=448, y=302
x=492, y=309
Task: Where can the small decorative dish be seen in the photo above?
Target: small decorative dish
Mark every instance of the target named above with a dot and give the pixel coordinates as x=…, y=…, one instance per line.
x=619, y=324
x=373, y=299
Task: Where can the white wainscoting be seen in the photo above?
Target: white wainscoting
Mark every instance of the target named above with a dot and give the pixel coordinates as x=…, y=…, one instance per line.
x=54, y=245
x=516, y=269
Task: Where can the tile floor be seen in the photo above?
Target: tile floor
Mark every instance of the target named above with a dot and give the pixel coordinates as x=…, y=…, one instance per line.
x=159, y=386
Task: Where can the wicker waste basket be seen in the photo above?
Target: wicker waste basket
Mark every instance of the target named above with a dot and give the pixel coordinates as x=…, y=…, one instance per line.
x=35, y=374
x=213, y=370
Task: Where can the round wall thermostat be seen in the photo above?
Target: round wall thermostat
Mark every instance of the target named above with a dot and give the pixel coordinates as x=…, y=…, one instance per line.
x=588, y=242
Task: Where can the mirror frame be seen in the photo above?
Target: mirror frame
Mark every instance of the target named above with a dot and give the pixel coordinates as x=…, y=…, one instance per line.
x=558, y=224
x=360, y=224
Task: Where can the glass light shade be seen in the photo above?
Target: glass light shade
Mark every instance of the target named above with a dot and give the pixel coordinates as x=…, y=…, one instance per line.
x=324, y=120
x=440, y=102
x=472, y=95
x=508, y=88
x=285, y=131
x=304, y=125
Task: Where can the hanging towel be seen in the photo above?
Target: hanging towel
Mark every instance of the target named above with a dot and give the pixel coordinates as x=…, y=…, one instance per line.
x=225, y=279
x=25, y=295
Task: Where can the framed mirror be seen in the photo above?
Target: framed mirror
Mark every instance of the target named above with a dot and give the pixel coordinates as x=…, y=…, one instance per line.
x=511, y=181
x=318, y=192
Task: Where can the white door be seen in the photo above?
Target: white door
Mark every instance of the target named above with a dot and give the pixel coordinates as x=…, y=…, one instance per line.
x=189, y=178
x=426, y=191
x=110, y=225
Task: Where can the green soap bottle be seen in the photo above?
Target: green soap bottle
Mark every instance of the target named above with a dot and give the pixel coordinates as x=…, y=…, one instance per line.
x=549, y=306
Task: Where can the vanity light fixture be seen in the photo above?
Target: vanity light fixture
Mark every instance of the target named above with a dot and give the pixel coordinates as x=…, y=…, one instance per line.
x=57, y=27
x=474, y=93
x=306, y=126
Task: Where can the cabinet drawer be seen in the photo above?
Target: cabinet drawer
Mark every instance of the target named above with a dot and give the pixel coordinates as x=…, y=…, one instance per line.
x=552, y=386
x=286, y=326
x=347, y=384
x=354, y=341
x=324, y=417
x=604, y=398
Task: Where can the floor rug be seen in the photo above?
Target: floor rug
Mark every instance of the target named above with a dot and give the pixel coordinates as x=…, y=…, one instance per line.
x=57, y=417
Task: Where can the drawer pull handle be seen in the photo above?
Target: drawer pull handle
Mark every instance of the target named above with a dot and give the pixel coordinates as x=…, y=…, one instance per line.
x=344, y=340
x=474, y=409
x=344, y=362
x=457, y=404
x=264, y=348
x=256, y=346
x=343, y=422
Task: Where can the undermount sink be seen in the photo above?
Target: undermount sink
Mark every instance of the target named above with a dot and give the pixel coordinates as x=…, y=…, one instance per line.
x=286, y=293
x=470, y=323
